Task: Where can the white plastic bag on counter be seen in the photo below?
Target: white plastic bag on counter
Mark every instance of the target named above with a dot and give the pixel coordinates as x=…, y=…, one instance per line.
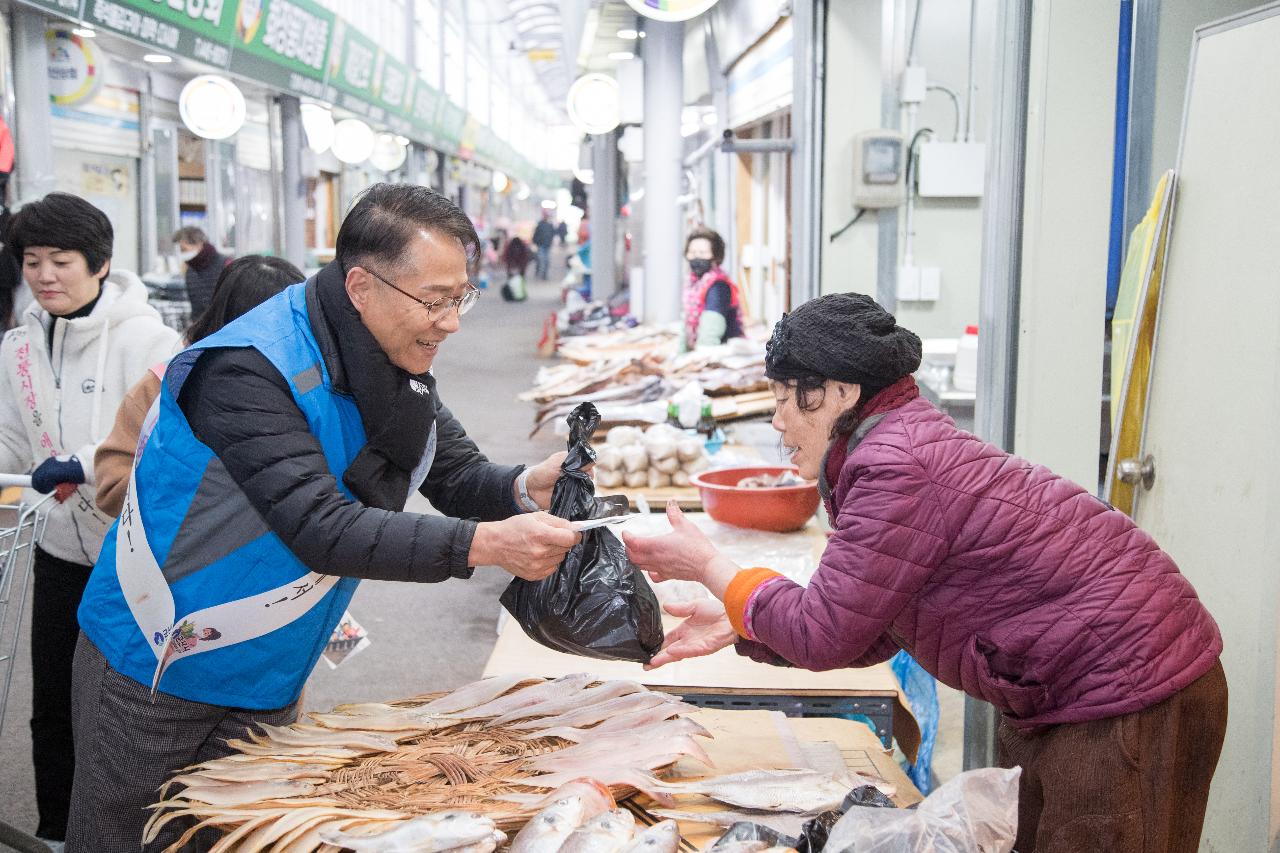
x=975, y=812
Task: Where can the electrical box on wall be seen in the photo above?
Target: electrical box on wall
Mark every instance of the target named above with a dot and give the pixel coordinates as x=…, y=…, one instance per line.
x=879, y=167
x=952, y=169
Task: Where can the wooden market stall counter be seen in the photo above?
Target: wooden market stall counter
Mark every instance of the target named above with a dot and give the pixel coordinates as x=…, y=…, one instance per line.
x=726, y=679
x=763, y=740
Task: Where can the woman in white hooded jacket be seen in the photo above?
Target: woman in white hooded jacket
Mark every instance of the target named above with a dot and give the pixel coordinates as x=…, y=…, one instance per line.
x=87, y=337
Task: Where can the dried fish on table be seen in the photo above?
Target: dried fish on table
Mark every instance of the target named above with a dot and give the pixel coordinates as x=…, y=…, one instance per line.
x=427, y=834
x=559, y=688
x=476, y=693
x=369, y=769
x=605, y=710
x=803, y=791
x=625, y=748
x=605, y=833
x=662, y=837
x=591, y=696
x=551, y=827
x=660, y=729
x=597, y=797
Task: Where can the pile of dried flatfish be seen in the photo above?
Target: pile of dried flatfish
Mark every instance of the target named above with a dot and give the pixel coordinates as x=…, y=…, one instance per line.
x=449, y=772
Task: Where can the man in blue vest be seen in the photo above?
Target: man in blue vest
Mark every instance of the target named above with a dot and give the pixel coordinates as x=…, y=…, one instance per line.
x=275, y=477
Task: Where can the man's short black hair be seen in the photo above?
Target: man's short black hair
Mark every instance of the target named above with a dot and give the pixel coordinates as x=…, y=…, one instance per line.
x=385, y=217
x=190, y=234
x=62, y=221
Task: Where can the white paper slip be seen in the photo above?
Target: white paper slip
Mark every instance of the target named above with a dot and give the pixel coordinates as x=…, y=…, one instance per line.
x=593, y=523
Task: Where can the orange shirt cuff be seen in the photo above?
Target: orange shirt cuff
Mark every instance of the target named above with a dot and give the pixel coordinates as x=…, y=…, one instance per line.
x=738, y=595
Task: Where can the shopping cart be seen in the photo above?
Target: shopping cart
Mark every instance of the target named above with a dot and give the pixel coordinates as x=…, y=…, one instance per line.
x=21, y=526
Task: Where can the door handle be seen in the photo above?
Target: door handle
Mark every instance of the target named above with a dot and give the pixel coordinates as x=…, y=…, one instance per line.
x=1135, y=471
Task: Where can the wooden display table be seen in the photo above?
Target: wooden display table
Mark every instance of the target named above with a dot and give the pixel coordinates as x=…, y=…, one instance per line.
x=726, y=679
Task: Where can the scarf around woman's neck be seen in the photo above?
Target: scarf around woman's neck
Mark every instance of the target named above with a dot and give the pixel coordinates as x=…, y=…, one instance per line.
x=895, y=396
x=396, y=407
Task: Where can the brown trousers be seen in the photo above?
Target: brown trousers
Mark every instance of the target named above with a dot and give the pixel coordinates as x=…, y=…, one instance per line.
x=1131, y=784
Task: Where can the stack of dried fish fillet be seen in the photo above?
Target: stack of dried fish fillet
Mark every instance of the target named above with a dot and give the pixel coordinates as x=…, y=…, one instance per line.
x=435, y=773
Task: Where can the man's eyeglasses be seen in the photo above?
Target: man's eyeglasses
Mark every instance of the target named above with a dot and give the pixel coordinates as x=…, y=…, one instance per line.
x=439, y=308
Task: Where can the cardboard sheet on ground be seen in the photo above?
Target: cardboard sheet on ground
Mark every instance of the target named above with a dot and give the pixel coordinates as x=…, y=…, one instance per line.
x=756, y=740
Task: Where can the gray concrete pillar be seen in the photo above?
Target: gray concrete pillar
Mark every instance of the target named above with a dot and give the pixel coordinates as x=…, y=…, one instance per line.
x=663, y=156
x=34, y=131
x=294, y=195
x=603, y=214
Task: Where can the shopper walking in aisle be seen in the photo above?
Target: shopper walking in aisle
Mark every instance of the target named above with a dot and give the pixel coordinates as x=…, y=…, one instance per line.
x=712, y=302
x=245, y=283
x=204, y=265
x=515, y=257
x=1002, y=579
x=277, y=473
x=544, y=235
x=85, y=338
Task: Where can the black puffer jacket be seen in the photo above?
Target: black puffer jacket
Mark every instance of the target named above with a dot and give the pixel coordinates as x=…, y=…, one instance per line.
x=202, y=277
x=241, y=407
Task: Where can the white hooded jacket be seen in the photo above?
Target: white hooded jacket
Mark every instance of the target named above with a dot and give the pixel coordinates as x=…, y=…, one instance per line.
x=64, y=401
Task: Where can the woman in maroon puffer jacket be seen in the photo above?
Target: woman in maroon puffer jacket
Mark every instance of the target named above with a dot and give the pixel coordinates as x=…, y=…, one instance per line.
x=999, y=577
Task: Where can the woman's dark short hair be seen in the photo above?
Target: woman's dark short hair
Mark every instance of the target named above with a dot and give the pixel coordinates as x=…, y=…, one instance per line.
x=190, y=234
x=385, y=217
x=244, y=284
x=713, y=237
x=62, y=221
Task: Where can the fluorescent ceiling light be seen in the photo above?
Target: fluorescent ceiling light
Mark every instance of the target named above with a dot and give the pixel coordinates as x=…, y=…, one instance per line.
x=84, y=32
x=622, y=54
x=158, y=58
x=628, y=34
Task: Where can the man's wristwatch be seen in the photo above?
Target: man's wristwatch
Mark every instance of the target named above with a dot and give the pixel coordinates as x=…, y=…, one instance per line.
x=527, y=503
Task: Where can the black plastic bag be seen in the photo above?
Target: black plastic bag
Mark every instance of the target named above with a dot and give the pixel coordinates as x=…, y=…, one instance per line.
x=869, y=796
x=813, y=837
x=743, y=831
x=597, y=604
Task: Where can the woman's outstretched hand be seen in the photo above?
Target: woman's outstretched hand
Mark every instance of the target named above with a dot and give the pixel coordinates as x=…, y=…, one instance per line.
x=705, y=630
x=683, y=554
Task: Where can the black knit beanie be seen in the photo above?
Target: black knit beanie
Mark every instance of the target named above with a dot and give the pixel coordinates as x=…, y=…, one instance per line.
x=843, y=336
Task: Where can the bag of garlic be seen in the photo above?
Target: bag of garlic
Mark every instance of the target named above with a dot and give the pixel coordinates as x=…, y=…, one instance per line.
x=597, y=604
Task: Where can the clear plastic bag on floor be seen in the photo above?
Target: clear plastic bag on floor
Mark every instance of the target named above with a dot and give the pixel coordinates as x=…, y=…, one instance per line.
x=597, y=603
x=976, y=812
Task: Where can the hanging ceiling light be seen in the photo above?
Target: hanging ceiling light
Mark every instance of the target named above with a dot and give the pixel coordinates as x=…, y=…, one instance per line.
x=212, y=106
x=317, y=124
x=500, y=181
x=388, y=154
x=593, y=103
x=524, y=192
x=352, y=141
x=671, y=10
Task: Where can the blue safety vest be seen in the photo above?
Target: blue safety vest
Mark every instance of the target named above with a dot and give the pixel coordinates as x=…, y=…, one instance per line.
x=209, y=542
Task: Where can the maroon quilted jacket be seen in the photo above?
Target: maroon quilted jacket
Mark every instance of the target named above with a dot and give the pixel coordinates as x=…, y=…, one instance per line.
x=1001, y=578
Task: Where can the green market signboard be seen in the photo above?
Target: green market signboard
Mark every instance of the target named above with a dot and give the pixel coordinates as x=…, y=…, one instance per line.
x=298, y=46
x=283, y=43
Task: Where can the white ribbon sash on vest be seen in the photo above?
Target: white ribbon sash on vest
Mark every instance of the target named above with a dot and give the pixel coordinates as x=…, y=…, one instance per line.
x=33, y=391
x=151, y=601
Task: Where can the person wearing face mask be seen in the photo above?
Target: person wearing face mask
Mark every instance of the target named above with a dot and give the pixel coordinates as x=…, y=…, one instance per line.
x=712, y=302
x=87, y=336
x=203, y=263
x=273, y=481
x=1000, y=578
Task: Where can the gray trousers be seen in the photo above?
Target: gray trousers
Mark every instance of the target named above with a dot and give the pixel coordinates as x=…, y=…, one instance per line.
x=127, y=746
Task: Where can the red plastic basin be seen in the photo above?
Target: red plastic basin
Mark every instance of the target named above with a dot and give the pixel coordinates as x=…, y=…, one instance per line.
x=780, y=510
